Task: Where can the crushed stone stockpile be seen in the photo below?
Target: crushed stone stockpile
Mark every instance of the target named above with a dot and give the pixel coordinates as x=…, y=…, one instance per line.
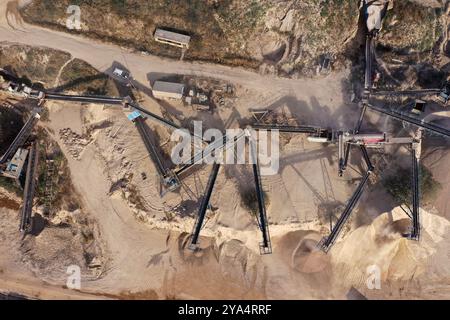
x=399, y=260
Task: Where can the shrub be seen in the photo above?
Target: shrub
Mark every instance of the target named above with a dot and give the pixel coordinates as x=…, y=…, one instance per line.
x=400, y=185
x=250, y=202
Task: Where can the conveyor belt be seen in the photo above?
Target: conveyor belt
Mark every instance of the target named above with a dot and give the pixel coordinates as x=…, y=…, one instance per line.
x=284, y=128
x=348, y=147
x=361, y=118
x=20, y=138
x=266, y=247
x=366, y=158
x=30, y=186
x=411, y=120
x=416, y=93
x=216, y=146
x=143, y=131
x=204, y=206
x=155, y=117
x=112, y=101
x=415, y=233
x=369, y=63
x=85, y=99
x=327, y=242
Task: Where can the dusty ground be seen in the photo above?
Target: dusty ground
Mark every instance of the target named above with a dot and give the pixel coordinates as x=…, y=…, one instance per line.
x=145, y=247
x=115, y=152
x=436, y=161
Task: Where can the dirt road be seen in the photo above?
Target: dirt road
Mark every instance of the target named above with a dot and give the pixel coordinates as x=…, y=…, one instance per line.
x=102, y=56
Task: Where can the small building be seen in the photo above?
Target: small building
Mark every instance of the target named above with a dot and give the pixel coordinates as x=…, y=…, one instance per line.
x=168, y=90
x=15, y=166
x=172, y=38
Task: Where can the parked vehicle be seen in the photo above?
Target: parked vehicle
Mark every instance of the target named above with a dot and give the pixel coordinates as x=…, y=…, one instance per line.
x=121, y=74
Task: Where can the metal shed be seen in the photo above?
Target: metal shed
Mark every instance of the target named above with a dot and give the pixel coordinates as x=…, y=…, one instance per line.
x=172, y=38
x=168, y=90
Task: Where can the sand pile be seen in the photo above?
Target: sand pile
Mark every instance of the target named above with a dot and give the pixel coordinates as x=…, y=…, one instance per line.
x=436, y=158
x=382, y=244
x=9, y=200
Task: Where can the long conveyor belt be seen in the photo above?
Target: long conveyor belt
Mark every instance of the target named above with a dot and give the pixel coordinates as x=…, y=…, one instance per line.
x=143, y=131
x=327, y=242
x=415, y=232
x=265, y=246
x=20, y=138
x=204, y=206
x=30, y=186
x=417, y=122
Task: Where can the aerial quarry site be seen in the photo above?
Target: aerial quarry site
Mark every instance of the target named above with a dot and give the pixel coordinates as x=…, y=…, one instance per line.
x=241, y=149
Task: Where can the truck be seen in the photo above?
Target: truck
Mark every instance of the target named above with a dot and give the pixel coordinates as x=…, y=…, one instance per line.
x=33, y=94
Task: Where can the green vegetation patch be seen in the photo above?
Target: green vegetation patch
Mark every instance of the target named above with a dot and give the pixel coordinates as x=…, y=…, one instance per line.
x=400, y=185
x=410, y=26
x=217, y=28
x=41, y=66
x=249, y=200
x=10, y=185
x=33, y=64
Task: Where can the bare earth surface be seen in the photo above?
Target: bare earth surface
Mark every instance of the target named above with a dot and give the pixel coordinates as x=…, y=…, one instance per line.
x=145, y=251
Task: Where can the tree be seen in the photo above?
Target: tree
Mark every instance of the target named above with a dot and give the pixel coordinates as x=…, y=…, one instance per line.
x=400, y=185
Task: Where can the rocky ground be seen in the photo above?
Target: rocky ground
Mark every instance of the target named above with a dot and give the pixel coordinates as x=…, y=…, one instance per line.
x=284, y=37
